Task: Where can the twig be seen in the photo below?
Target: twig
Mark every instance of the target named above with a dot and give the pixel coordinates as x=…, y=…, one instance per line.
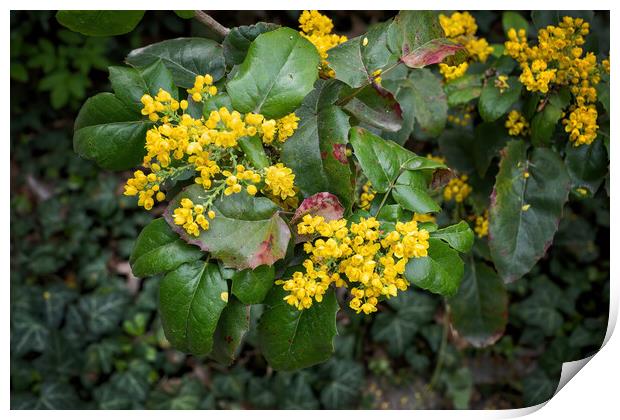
x=211, y=23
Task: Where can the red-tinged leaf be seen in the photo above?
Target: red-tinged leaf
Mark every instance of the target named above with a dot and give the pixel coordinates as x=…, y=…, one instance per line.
x=432, y=52
x=322, y=204
x=245, y=233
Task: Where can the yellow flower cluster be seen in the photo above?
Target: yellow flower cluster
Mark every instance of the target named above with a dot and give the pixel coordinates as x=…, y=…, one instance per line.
x=317, y=29
x=192, y=217
x=280, y=181
x=208, y=146
x=367, y=195
x=482, y=224
x=367, y=260
x=453, y=72
x=605, y=64
x=581, y=125
x=462, y=120
x=457, y=189
x=558, y=60
x=421, y=217
x=501, y=82
x=461, y=28
x=437, y=159
x=516, y=124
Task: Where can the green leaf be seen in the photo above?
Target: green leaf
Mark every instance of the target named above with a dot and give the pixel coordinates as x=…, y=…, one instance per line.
x=457, y=146
x=190, y=303
x=109, y=133
x=317, y=151
x=245, y=233
x=232, y=326
x=440, y=272
x=494, y=103
x=355, y=63
x=186, y=58
x=27, y=333
x=411, y=192
x=254, y=151
x=538, y=388
x=131, y=84
x=479, y=311
x=238, y=41
x=100, y=22
x=278, y=72
x=540, y=309
x=489, y=139
x=185, y=14
x=587, y=164
x=412, y=29
x=346, y=381
x=525, y=212
x=463, y=89
x=51, y=396
x=102, y=311
x=544, y=123
x=158, y=249
x=252, y=286
x=514, y=20
x=375, y=106
x=459, y=236
x=381, y=161
x=421, y=95
x=291, y=339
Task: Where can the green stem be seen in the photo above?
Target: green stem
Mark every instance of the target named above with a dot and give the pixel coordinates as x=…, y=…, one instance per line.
x=385, y=196
x=220, y=30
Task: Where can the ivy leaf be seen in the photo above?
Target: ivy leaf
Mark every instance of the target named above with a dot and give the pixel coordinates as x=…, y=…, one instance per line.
x=51, y=396
x=479, y=311
x=252, y=286
x=234, y=323
x=375, y=106
x=538, y=388
x=381, y=161
x=355, y=63
x=525, y=212
x=109, y=133
x=346, y=380
x=190, y=302
x=55, y=300
x=278, y=72
x=587, y=164
x=131, y=84
x=440, y=272
x=102, y=311
x=186, y=58
x=411, y=192
x=494, y=103
x=100, y=22
x=238, y=41
x=27, y=334
x=291, y=339
x=317, y=151
x=245, y=233
x=158, y=249
x=459, y=236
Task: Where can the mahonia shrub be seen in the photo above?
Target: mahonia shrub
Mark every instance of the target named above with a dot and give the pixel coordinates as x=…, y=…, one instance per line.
x=276, y=161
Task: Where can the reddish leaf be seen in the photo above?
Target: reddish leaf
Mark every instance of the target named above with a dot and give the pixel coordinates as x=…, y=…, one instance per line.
x=432, y=52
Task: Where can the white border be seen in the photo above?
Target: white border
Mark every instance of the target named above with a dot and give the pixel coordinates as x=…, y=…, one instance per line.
x=595, y=391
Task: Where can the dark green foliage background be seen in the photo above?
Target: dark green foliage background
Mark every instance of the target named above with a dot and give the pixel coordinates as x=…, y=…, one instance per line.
x=86, y=334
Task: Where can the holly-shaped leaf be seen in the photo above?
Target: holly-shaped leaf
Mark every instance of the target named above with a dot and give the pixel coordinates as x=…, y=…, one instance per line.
x=232, y=326
x=375, y=106
x=587, y=164
x=186, y=58
x=100, y=22
x=158, y=249
x=432, y=52
x=131, y=84
x=412, y=29
x=479, y=311
x=462, y=90
x=110, y=133
x=526, y=205
x=238, y=41
x=291, y=339
x=495, y=102
x=245, y=233
x=459, y=236
x=411, y=192
x=191, y=300
x=440, y=272
x=252, y=286
x=278, y=72
x=317, y=151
